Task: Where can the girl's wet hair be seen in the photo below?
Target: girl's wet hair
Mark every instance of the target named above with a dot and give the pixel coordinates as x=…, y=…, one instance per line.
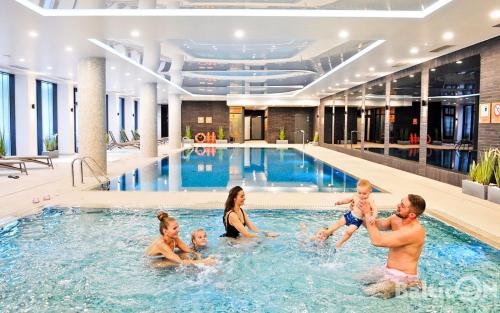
x=164, y=221
x=194, y=232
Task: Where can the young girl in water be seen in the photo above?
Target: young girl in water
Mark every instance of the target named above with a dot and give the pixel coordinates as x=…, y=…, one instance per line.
x=169, y=244
x=199, y=239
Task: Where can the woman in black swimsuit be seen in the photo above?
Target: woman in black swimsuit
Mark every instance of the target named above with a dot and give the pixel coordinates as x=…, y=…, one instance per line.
x=235, y=220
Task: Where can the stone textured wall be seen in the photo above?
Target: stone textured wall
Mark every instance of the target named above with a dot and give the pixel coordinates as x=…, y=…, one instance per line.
x=286, y=117
x=218, y=110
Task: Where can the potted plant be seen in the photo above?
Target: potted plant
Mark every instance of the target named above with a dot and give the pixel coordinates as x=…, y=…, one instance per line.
x=220, y=136
x=282, y=137
x=50, y=143
x=480, y=176
x=188, y=135
x=315, y=141
x=494, y=189
x=3, y=149
x=404, y=135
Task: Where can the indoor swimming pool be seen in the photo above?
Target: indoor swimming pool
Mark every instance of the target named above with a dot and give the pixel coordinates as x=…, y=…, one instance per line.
x=255, y=169
x=67, y=260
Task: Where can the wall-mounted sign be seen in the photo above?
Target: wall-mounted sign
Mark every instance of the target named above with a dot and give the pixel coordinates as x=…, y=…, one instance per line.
x=495, y=112
x=208, y=120
x=201, y=119
x=484, y=113
x=414, y=121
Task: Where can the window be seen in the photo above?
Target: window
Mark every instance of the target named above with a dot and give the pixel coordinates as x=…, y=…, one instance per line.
x=107, y=116
x=136, y=120
x=46, y=112
x=448, y=123
x=7, y=121
x=121, y=113
x=75, y=118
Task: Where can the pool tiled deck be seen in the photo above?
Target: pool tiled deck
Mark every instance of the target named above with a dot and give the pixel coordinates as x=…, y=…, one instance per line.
x=477, y=217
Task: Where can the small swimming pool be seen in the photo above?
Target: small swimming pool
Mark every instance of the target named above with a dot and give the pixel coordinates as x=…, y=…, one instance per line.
x=71, y=261
x=255, y=169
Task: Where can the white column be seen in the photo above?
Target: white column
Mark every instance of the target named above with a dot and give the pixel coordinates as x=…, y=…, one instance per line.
x=90, y=4
x=65, y=118
x=424, y=94
x=345, y=118
x=387, y=114
x=91, y=109
x=158, y=121
x=147, y=4
x=148, y=122
x=361, y=132
x=174, y=121
x=25, y=97
x=113, y=117
x=174, y=172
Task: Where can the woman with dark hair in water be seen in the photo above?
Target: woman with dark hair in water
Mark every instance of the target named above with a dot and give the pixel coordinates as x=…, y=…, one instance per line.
x=236, y=220
x=168, y=242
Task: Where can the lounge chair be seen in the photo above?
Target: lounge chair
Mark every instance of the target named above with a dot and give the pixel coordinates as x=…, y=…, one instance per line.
x=115, y=144
x=136, y=136
x=16, y=165
x=38, y=159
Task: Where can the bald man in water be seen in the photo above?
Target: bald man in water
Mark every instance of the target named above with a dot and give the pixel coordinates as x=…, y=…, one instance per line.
x=405, y=242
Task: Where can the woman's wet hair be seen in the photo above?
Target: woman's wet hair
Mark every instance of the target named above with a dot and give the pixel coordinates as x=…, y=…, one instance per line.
x=164, y=221
x=233, y=193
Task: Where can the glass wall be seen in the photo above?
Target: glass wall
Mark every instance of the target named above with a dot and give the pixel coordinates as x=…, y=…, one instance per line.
x=453, y=109
x=7, y=122
x=375, y=117
x=46, y=112
x=121, y=113
x=75, y=118
x=136, y=119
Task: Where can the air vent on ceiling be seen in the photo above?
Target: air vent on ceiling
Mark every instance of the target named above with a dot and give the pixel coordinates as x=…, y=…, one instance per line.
x=442, y=48
x=19, y=67
x=497, y=25
x=399, y=64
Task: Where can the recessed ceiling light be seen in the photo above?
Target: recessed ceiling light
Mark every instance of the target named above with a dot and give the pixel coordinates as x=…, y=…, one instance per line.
x=433, y=69
x=395, y=81
x=414, y=50
x=32, y=34
x=70, y=74
x=239, y=33
x=459, y=62
x=337, y=84
x=49, y=67
x=380, y=85
x=495, y=14
x=139, y=79
x=69, y=48
x=112, y=68
x=346, y=80
x=322, y=90
x=127, y=74
x=389, y=61
x=135, y=33
x=412, y=75
x=448, y=35
x=371, y=69
x=330, y=88
x=358, y=75
x=21, y=60
x=343, y=34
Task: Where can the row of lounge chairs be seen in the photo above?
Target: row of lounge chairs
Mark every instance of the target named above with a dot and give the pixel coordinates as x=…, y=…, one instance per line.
x=18, y=163
x=126, y=142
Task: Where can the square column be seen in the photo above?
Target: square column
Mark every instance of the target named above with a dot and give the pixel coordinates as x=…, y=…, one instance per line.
x=387, y=115
x=25, y=105
x=174, y=121
x=345, y=118
x=65, y=118
x=361, y=132
x=148, y=120
x=424, y=107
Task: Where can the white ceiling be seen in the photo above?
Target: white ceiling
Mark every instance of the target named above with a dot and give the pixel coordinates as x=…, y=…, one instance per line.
x=469, y=21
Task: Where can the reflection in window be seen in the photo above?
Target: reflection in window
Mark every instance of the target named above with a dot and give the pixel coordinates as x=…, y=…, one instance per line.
x=7, y=124
x=46, y=112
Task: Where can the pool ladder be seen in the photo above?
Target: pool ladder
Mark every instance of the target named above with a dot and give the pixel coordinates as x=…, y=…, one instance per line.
x=105, y=183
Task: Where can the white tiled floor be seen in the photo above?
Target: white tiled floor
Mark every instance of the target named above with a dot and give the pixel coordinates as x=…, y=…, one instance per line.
x=477, y=217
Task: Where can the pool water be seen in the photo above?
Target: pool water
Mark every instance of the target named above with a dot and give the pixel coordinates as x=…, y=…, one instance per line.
x=220, y=169
x=72, y=261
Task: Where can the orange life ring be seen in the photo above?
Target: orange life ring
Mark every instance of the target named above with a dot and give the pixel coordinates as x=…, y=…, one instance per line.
x=429, y=139
x=200, y=151
x=200, y=138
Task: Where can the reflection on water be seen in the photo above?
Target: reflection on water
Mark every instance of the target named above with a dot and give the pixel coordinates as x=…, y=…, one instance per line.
x=256, y=169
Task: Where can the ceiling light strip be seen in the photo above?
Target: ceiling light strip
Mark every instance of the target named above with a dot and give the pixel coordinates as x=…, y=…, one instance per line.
x=455, y=97
x=142, y=67
x=236, y=12
x=343, y=64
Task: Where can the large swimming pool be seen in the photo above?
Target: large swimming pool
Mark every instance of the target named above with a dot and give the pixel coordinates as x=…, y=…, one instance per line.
x=255, y=169
x=72, y=261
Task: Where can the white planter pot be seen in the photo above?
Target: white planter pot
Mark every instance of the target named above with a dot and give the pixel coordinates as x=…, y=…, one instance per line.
x=53, y=154
x=281, y=142
x=313, y=143
x=221, y=141
x=474, y=189
x=494, y=194
x=188, y=141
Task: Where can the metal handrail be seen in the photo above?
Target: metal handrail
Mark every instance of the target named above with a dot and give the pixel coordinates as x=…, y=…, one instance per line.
x=83, y=160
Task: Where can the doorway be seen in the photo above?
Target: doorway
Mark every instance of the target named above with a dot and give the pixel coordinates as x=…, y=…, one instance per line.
x=254, y=124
